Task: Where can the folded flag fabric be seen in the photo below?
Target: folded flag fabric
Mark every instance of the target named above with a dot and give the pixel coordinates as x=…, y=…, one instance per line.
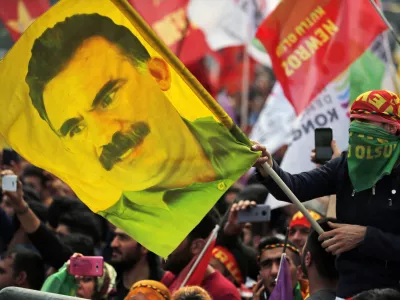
x=283, y=288
x=90, y=94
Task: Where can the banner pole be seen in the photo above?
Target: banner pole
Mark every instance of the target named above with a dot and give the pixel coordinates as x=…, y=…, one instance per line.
x=270, y=172
x=385, y=20
x=244, y=105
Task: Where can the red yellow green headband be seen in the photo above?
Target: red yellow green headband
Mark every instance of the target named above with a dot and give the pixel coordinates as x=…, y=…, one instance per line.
x=229, y=261
x=293, y=248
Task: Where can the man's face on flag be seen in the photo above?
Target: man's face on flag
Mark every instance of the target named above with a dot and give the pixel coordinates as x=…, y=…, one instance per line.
x=110, y=113
x=269, y=267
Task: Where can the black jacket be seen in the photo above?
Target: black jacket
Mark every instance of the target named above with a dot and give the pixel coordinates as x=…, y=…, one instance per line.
x=374, y=263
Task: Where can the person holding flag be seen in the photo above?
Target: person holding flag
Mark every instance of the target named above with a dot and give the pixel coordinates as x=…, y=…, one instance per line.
x=366, y=239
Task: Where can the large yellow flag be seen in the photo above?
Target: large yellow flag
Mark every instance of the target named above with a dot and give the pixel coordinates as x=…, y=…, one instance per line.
x=89, y=94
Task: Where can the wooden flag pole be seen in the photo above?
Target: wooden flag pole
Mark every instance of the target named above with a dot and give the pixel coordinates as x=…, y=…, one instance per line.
x=144, y=29
x=385, y=20
x=270, y=172
x=244, y=104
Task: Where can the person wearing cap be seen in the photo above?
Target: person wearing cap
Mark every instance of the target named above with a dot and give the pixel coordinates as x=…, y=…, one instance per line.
x=365, y=179
x=299, y=228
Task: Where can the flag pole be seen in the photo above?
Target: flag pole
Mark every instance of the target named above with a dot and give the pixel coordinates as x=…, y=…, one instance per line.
x=244, y=103
x=286, y=240
x=385, y=20
x=213, y=235
x=388, y=53
x=275, y=177
x=148, y=34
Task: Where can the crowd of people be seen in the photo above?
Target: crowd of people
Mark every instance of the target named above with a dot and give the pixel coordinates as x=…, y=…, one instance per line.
x=43, y=225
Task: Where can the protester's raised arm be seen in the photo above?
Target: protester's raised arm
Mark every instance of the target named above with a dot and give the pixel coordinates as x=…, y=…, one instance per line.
x=52, y=250
x=29, y=221
x=307, y=185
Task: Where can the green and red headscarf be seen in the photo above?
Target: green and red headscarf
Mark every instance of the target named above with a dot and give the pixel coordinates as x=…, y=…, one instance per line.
x=380, y=106
x=373, y=151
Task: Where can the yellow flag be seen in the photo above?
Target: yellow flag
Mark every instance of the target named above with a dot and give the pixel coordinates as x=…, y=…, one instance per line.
x=89, y=94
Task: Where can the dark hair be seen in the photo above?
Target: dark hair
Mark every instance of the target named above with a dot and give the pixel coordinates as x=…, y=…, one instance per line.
x=32, y=171
x=62, y=205
x=79, y=243
x=383, y=294
x=30, y=194
x=56, y=46
x=324, y=261
x=273, y=240
x=254, y=192
x=206, y=225
x=82, y=222
x=31, y=263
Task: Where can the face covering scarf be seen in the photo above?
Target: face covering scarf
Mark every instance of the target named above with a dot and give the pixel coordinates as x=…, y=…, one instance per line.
x=372, y=154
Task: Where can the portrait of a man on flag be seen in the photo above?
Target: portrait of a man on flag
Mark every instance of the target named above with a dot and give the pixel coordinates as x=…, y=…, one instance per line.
x=114, y=115
x=128, y=133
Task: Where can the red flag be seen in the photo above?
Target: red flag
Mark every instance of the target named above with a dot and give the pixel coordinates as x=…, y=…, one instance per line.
x=197, y=277
x=17, y=15
x=232, y=68
x=168, y=18
x=311, y=42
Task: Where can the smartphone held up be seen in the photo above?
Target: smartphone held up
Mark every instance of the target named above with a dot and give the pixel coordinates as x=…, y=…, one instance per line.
x=255, y=214
x=9, y=183
x=323, y=145
x=86, y=266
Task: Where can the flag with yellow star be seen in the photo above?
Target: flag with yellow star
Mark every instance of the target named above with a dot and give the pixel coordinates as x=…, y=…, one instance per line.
x=92, y=95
